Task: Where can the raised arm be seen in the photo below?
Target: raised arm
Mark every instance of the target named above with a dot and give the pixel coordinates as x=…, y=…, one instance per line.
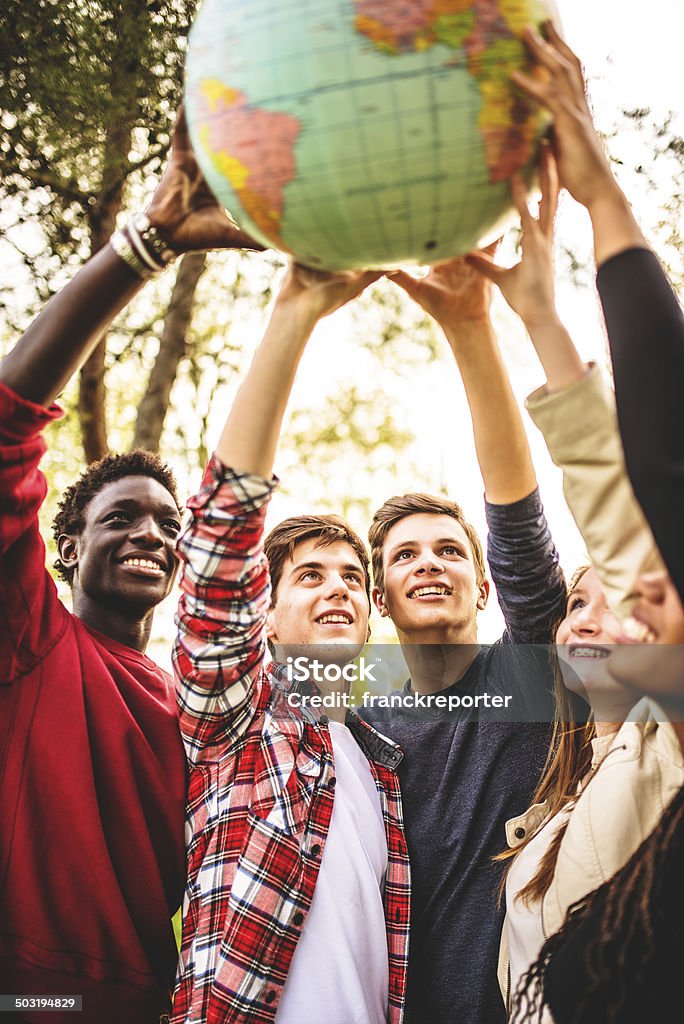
x=220, y=648
x=582, y=163
x=643, y=317
x=458, y=298
x=249, y=439
x=520, y=551
x=186, y=217
x=575, y=409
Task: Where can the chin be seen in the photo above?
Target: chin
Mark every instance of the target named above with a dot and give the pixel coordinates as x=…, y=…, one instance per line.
x=656, y=669
x=334, y=651
x=582, y=678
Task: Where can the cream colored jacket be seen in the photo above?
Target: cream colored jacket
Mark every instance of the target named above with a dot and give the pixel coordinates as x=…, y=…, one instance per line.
x=643, y=767
x=580, y=428
x=616, y=810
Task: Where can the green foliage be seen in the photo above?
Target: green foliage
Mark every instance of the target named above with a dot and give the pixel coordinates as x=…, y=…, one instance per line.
x=88, y=92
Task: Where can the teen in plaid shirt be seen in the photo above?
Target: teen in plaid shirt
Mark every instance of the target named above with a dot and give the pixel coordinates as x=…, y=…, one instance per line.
x=297, y=904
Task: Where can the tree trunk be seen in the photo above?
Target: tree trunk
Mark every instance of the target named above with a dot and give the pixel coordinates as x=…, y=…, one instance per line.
x=172, y=347
x=92, y=393
x=130, y=28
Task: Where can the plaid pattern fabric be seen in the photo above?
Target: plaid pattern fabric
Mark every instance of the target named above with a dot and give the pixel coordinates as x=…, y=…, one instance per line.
x=262, y=778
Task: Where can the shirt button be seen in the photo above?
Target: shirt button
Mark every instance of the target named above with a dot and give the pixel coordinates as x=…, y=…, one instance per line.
x=315, y=850
x=298, y=918
x=333, y=782
x=270, y=996
x=519, y=832
x=323, y=720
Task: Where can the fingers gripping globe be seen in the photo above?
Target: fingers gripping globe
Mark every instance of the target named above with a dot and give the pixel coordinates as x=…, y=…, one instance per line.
x=364, y=133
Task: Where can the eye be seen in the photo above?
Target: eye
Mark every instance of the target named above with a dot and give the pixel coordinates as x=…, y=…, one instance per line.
x=451, y=549
x=171, y=525
x=310, y=574
x=353, y=577
x=574, y=603
x=117, y=516
x=402, y=555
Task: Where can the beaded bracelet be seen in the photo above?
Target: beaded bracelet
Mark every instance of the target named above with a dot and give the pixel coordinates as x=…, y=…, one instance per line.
x=141, y=248
x=122, y=247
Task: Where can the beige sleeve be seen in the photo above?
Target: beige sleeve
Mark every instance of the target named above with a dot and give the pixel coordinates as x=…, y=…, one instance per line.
x=580, y=428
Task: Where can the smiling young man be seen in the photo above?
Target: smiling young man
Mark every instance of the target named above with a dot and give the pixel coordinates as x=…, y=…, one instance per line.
x=466, y=771
x=92, y=772
x=298, y=886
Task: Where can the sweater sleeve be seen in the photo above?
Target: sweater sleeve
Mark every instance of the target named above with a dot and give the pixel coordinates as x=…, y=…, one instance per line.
x=524, y=565
x=645, y=328
x=30, y=610
x=219, y=651
x=581, y=432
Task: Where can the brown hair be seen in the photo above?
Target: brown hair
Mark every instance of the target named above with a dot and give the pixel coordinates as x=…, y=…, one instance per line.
x=400, y=507
x=567, y=763
x=284, y=538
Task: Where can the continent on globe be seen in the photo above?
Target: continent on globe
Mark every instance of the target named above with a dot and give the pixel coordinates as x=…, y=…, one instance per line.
x=253, y=148
x=488, y=31
x=364, y=133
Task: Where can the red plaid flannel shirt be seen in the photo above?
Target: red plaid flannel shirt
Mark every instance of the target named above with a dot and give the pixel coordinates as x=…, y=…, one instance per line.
x=262, y=777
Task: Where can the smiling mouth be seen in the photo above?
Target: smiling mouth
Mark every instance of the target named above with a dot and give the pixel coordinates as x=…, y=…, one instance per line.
x=335, y=619
x=144, y=566
x=434, y=590
x=636, y=630
x=589, y=652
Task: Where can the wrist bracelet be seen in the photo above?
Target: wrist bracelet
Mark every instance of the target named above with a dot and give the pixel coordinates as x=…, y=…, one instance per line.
x=123, y=249
x=140, y=227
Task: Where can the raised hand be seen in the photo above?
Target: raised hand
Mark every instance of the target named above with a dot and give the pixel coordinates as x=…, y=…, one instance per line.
x=453, y=293
x=582, y=163
x=185, y=210
x=528, y=286
x=317, y=293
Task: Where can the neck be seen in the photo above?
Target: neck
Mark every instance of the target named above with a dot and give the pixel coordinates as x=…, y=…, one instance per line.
x=133, y=633
x=434, y=666
x=338, y=712
x=606, y=728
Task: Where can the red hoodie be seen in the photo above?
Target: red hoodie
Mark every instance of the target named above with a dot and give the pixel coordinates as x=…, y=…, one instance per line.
x=92, y=781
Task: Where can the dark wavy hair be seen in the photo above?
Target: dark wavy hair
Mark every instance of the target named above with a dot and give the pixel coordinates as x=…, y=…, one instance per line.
x=634, y=920
x=70, y=518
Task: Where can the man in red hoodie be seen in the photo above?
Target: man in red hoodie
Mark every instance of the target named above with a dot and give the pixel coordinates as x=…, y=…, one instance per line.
x=92, y=772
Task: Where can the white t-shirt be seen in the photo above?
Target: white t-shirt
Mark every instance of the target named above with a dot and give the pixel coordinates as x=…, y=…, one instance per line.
x=340, y=972
x=524, y=920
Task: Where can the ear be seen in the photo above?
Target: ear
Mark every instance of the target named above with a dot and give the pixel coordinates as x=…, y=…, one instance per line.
x=379, y=602
x=483, y=595
x=368, y=633
x=67, y=547
x=270, y=625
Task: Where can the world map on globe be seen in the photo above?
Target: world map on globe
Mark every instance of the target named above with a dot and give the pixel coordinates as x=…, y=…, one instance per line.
x=364, y=133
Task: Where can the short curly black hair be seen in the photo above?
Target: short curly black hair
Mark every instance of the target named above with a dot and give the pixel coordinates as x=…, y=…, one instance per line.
x=70, y=516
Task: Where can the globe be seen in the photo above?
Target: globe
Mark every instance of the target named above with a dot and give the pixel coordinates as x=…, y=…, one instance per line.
x=364, y=133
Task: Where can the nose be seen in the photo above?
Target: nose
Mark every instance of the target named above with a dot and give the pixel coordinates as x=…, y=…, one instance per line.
x=428, y=562
x=147, y=532
x=338, y=587
x=585, y=621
